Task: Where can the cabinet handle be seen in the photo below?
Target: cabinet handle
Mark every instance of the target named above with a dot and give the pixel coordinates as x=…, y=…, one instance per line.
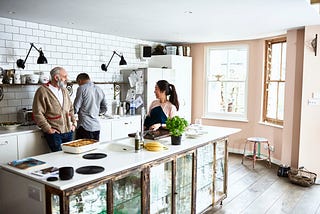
x=4, y=143
x=126, y=123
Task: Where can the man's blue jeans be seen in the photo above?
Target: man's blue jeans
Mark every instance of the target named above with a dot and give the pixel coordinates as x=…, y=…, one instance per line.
x=55, y=140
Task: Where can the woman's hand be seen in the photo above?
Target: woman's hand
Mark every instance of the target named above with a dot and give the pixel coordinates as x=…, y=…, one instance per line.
x=155, y=127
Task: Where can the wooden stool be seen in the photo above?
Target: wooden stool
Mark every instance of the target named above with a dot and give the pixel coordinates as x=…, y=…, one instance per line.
x=256, y=156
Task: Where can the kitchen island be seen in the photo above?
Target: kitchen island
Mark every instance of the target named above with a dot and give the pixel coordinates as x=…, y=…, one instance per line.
x=189, y=178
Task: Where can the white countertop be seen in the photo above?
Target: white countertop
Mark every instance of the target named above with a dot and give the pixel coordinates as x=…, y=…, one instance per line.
x=19, y=130
x=116, y=161
x=28, y=129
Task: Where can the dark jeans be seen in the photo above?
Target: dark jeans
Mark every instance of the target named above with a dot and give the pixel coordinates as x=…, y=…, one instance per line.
x=81, y=133
x=55, y=140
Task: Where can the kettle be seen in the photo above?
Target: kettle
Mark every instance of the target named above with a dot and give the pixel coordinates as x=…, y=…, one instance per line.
x=126, y=107
x=120, y=111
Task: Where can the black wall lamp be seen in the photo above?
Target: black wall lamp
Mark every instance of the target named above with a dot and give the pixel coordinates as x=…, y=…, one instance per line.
x=104, y=67
x=41, y=59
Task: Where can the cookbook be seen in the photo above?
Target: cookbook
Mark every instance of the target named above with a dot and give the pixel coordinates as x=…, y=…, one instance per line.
x=26, y=163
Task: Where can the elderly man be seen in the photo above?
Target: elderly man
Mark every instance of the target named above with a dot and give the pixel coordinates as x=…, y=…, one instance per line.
x=53, y=110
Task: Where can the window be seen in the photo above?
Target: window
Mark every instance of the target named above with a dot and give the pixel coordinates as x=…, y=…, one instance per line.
x=274, y=81
x=226, y=79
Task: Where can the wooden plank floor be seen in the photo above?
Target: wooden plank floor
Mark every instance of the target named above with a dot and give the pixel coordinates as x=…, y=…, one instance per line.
x=260, y=190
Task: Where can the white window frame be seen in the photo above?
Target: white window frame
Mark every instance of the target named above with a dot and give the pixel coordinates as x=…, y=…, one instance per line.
x=243, y=117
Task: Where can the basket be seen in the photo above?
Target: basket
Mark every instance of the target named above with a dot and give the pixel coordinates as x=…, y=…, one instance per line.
x=302, y=177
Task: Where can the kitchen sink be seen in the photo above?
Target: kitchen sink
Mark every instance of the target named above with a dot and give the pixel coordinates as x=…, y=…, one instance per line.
x=121, y=145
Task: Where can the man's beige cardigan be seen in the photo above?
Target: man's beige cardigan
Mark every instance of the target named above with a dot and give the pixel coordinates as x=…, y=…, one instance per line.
x=48, y=113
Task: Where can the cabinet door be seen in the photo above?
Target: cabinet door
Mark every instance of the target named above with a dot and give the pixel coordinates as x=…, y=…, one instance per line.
x=105, y=131
x=93, y=200
x=8, y=149
x=161, y=188
x=124, y=126
x=127, y=194
x=204, y=193
x=183, y=187
x=220, y=175
x=183, y=84
x=32, y=144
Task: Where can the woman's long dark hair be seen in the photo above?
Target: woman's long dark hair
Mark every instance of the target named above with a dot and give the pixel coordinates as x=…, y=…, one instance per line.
x=170, y=90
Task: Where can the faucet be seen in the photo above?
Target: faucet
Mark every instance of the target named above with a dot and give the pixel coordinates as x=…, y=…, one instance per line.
x=142, y=125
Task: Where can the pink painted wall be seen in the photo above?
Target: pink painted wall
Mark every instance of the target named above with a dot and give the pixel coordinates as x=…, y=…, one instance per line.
x=279, y=137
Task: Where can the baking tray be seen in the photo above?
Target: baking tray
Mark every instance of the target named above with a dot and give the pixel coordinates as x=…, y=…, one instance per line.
x=80, y=146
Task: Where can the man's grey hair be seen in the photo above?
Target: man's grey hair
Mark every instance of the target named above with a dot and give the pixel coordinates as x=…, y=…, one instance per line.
x=55, y=71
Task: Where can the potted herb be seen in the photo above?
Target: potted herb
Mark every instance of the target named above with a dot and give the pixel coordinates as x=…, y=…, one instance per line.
x=176, y=125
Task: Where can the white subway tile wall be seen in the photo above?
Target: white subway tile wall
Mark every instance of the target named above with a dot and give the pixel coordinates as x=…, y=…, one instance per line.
x=75, y=50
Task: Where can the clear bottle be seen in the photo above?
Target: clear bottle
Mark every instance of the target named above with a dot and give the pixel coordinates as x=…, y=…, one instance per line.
x=132, y=107
x=137, y=145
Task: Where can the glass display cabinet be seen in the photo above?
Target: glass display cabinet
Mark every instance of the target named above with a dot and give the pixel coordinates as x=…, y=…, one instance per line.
x=127, y=194
x=183, y=183
x=83, y=200
x=192, y=181
x=220, y=171
x=161, y=188
x=204, y=177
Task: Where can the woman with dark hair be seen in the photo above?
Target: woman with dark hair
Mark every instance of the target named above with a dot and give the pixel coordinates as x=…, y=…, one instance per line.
x=162, y=108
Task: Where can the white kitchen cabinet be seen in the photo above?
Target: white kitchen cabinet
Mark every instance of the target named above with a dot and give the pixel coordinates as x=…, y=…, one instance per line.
x=105, y=130
x=182, y=70
x=31, y=144
x=8, y=149
x=125, y=125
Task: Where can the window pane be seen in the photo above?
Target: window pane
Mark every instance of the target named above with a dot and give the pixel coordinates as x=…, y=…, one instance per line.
x=275, y=81
x=226, y=80
x=215, y=103
x=272, y=100
x=275, y=61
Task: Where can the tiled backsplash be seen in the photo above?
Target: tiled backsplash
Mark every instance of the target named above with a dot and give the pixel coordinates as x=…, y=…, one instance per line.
x=75, y=50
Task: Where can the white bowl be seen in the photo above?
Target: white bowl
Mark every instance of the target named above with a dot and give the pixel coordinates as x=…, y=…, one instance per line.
x=34, y=78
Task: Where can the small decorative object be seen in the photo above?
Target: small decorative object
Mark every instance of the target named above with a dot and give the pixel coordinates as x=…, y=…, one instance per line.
x=159, y=50
x=176, y=125
x=314, y=44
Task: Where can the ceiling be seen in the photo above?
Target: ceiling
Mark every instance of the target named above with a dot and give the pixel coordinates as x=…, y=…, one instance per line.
x=170, y=21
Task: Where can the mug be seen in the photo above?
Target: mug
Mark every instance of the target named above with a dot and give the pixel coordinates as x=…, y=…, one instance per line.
x=17, y=79
x=23, y=79
x=66, y=173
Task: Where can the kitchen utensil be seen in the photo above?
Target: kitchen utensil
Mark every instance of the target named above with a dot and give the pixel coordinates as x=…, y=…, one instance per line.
x=90, y=170
x=66, y=173
x=7, y=75
x=17, y=78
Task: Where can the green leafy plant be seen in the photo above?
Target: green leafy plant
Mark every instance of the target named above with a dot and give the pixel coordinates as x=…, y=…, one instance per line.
x=176, y=125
